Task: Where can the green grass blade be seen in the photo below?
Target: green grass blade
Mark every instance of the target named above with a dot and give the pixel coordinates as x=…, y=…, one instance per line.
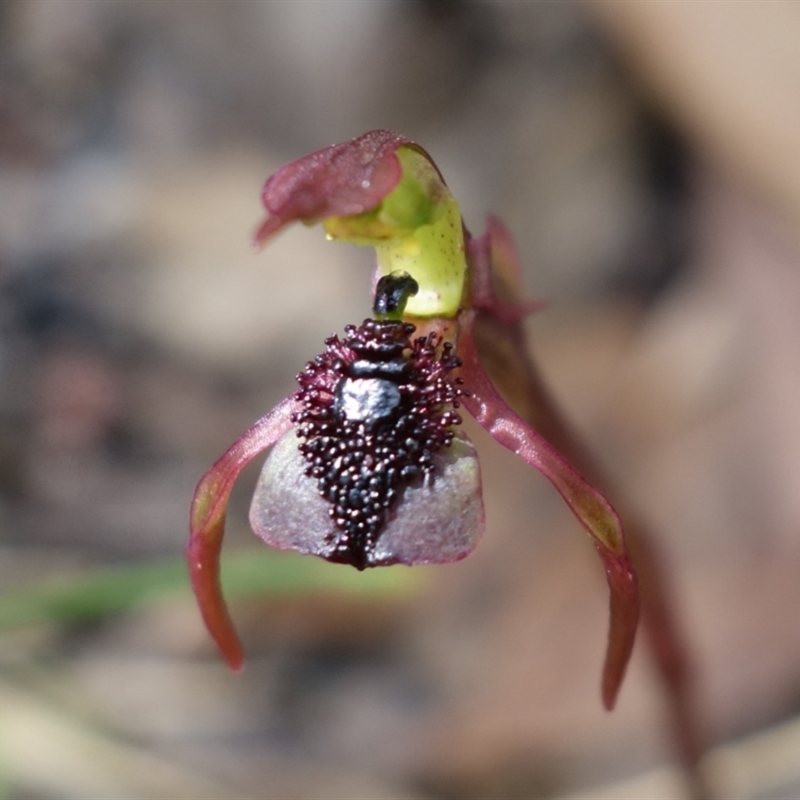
x=109, y=590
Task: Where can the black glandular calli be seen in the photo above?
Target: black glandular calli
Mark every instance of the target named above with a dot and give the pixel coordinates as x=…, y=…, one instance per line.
x=377, y=407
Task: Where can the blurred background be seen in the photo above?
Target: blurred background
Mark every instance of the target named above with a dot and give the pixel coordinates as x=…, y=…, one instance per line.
x=646, y=157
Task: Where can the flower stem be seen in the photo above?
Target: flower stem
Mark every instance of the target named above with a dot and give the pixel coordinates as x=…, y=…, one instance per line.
x=504, y=351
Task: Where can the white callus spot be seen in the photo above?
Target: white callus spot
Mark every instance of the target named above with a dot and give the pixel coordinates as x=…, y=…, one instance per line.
x=367, y=399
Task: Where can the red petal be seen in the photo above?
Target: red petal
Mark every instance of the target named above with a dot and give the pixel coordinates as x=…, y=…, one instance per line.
x=593, y=511
x=207, y=525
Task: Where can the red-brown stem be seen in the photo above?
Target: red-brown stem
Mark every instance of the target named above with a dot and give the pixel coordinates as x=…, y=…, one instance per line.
x=504, y=351
x=590, y=507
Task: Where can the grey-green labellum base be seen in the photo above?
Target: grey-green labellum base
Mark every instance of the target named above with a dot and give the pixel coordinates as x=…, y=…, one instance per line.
x=435, y=521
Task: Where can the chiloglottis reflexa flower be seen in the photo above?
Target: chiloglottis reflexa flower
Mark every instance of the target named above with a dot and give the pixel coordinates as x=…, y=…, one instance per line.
x=368, y=464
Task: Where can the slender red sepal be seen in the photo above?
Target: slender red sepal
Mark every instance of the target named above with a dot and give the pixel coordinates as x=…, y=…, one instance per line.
x=624, y=613
x=207, y=525
x=590, y=507
x=497, y=275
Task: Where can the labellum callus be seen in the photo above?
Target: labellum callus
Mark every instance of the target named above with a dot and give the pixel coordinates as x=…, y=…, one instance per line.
x=380, y=475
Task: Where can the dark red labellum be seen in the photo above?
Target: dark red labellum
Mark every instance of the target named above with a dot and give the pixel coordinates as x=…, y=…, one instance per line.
x=377, y=407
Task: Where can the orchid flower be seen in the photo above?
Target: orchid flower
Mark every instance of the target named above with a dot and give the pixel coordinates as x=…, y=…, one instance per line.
x=368, y=465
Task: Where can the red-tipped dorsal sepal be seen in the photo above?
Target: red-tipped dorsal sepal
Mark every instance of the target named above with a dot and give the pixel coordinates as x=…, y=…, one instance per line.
x=344, y=179
x=207, y=525
x=593, y=511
